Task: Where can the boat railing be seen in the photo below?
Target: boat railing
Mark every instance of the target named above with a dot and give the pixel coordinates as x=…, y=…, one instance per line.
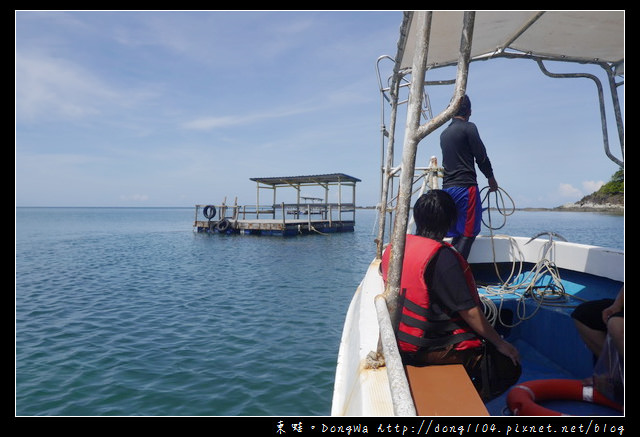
x=324, y=209
x=402, y=400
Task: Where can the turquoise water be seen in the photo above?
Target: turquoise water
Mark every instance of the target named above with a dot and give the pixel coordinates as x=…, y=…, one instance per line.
x=126, y=311
x=598, y=229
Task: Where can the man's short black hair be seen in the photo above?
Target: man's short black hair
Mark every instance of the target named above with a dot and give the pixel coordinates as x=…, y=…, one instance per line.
x=434, y=213
x=465, y=107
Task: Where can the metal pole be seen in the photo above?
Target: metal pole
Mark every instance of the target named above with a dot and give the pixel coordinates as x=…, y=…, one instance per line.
x=414, y=133
x=386, y=176
x=423, y=21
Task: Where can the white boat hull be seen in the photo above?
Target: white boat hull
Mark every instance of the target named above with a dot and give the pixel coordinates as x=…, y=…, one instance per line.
x=359, y=389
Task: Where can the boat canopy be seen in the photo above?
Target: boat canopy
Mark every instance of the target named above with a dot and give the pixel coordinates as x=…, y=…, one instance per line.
x=575, y=36
x=433, y=39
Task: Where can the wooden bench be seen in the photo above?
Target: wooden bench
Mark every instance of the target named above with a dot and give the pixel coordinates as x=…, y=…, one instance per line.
x=444, y=390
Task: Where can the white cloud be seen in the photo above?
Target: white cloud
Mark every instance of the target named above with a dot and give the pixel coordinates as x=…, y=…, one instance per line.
x=49, y=88
x=207, y=123
x=54, y=87
x=591, y=186
x=568, y=190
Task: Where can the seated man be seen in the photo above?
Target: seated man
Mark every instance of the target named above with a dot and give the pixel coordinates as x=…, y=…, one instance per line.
x=442, y=321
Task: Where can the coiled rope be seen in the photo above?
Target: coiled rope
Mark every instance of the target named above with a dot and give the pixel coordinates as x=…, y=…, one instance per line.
x=530, y=284
x=500, y=206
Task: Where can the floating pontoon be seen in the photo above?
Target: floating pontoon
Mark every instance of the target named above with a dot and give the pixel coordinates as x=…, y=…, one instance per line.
x=304, y=216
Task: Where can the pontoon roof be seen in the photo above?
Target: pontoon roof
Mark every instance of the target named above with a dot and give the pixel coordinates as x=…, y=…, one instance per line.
x=312, y=179
x=583, y=36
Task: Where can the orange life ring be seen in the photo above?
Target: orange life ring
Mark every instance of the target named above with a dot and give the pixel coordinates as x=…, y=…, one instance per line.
x=522, y=398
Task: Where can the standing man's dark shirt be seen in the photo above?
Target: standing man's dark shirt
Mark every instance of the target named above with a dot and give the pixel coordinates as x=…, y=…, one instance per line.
x=461, y=146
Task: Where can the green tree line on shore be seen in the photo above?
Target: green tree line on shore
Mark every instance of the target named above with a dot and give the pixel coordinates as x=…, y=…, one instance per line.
x=615, y=185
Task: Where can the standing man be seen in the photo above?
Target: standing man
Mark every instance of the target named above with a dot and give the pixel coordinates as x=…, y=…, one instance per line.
x=462, y=148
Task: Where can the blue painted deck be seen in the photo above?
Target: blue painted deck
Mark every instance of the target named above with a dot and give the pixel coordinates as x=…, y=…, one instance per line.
x=549, y=343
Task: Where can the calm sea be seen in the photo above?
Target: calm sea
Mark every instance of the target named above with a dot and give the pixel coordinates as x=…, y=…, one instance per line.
x=126, y=311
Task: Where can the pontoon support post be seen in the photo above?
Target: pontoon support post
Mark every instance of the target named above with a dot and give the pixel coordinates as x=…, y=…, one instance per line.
x=257, y=200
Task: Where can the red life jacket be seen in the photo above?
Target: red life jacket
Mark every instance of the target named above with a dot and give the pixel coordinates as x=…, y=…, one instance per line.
x=415, y=331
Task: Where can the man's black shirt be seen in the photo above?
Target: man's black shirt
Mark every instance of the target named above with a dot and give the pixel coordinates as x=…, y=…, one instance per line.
x=461, y=149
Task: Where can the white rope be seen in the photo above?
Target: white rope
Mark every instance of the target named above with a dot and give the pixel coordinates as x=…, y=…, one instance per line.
x=530, y=284
x=312, y=228
x=501, y=206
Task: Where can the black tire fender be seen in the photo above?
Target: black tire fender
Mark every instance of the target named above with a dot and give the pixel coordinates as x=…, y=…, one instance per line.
x=223, y=225
x=209, y=211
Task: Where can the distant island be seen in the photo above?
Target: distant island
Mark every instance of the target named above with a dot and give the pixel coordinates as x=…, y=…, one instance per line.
x=609, y=198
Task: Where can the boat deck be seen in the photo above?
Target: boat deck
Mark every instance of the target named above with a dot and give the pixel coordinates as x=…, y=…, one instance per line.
x=550, y=348
x=534, y=367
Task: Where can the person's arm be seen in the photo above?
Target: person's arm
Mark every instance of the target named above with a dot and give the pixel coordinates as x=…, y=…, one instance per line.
x=450, y=289
x=480, y=154
x=616, y=306
x=478, y=322
x=493, y=184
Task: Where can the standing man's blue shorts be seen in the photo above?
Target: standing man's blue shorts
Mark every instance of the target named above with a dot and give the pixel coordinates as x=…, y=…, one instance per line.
x=469, y=205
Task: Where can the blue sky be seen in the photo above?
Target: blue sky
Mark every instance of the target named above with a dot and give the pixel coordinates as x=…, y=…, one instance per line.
x=182, y=108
